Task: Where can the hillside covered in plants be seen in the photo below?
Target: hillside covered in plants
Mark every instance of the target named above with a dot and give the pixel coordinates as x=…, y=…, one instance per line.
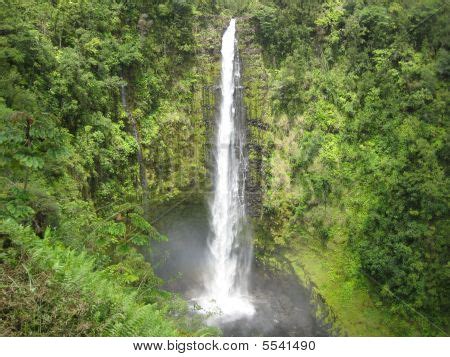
x=107, y=113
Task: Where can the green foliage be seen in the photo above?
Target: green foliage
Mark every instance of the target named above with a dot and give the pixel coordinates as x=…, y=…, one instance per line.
x=68, y=159
x=354, y=153
x=109, y=307
x=360, y=134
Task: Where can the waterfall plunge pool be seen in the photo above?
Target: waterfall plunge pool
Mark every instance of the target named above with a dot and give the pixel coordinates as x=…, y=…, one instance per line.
x=282, y=305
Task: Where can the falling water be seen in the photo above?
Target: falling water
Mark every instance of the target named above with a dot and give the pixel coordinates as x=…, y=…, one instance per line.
x=226, y=282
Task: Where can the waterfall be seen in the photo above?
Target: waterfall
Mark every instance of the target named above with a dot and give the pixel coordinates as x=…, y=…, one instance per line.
x=226, y=280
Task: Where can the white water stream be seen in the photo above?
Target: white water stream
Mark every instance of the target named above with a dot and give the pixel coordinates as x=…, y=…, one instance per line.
x=226, y=279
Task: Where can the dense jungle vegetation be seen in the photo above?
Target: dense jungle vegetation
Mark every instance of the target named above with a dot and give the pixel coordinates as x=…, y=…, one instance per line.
x=106, y=114
x=359, y=169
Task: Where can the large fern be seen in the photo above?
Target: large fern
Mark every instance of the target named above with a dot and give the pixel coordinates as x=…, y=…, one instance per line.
x=119, y=311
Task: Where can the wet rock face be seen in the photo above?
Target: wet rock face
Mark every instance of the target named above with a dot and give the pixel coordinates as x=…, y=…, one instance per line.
x=257, y=114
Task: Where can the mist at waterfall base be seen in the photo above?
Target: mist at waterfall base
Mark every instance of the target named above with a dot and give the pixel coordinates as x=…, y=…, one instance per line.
x=209, y=260
x=282, y=306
